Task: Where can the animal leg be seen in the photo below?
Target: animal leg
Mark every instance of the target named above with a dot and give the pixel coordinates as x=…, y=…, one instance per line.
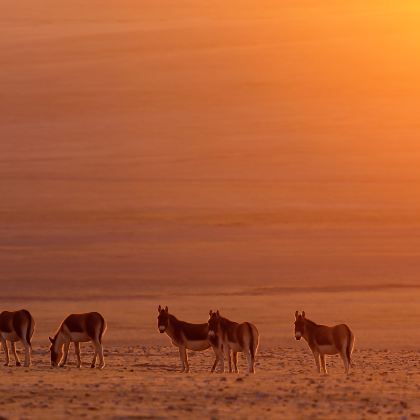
x=187, y=366
x=229, y=360
x=28, y=354
x=345, y=360
x=235, y=361
x=77, y=351
x=27, y=334
x=100, y=350
x=217, y=359
x=181, y=357
x=250, y=362
x=226, y=354
x=13, y=344
x=324, y=367
x=95, y=355
x=6, y=351
x=316, y=357
x=66, y=353
x=222, y=359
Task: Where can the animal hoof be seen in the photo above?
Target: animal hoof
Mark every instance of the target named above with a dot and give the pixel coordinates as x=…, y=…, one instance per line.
x=18, y=364
x=92, y=366
x=101, y=366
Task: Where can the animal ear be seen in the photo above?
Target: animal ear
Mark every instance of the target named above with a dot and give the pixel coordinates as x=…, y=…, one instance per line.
x=217, y=313
x=210, y=312
x=159, y=309
x=52, y=340
x=303, y=314
x=166, y=309
x=296, y=314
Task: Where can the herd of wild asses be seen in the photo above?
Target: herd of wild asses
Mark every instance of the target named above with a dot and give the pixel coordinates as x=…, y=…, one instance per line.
x=225, y=337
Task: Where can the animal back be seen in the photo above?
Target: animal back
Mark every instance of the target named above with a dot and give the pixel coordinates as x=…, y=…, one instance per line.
x=74, y=323
x=194, y=332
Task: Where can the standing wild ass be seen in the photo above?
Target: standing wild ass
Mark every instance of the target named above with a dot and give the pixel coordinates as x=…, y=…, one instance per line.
x=325, y=340
x=17, y=326
x=77, y=328
x=234, y=337
x=187, y=336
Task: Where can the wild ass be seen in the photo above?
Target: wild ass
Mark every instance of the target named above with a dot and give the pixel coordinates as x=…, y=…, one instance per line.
x=325, y=340
x=234, y=337
x=187, y=336
x=77, y=328
x=17, y=326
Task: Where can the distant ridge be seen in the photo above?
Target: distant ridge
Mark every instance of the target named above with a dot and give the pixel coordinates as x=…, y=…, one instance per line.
x=260, y=291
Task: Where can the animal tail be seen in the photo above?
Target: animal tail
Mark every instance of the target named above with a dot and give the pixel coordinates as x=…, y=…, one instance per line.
x=350, y=343
x=30, y=330
x=23, y=316
x=251, y=341
x=103, y=329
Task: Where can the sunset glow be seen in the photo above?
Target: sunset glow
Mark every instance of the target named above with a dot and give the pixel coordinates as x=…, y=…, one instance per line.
x=258, y=157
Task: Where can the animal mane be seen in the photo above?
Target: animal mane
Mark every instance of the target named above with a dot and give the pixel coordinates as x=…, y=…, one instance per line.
x=58, y=330
x=173, y=317
x=56, y=333
x=226, y=321
x=310, y=322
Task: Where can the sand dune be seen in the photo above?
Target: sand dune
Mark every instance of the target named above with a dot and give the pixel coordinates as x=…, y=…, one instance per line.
x=182, y=143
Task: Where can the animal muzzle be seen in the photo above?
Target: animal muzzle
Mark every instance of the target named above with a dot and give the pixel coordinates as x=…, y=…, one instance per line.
x=162, y=329
x=211, y=333
x=298, y=336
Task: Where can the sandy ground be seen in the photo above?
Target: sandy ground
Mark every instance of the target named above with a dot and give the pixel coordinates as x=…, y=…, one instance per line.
x=143, y=382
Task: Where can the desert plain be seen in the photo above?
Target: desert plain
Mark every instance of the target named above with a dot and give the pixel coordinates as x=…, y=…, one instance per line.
x=142, y=377
x=255, y=157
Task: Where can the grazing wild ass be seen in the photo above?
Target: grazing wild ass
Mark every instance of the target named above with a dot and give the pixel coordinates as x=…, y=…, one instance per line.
x=325, y=340
x=77, y=328
x=234, y=337
x=17, y=326
x=187, y=336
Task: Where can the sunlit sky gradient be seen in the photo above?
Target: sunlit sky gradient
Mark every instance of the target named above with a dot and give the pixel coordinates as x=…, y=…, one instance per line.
x=265, y=115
